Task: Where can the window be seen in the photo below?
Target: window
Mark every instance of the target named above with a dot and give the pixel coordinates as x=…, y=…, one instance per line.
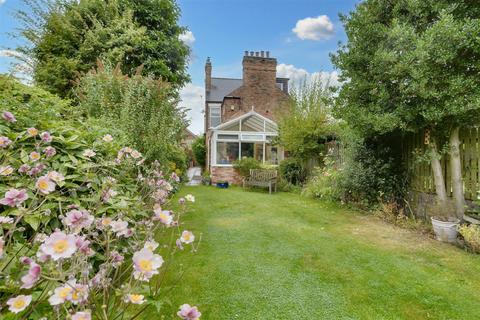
x=227, y=152
x=252, y=150
x=215, y=115
x=227, y=137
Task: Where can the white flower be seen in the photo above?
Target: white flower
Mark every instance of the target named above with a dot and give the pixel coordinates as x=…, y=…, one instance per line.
x=120, y=227
x=187, y=237
x=19, y=303
x=6, y=170
x=151, y=245
x=190, y=198
x=45, y=185
x=6, y=220
x=59, y=245
x=89, y=153
x=107, y=138
x=145, y=264
x=134, y=298
x=60, y=295
x=55, y=176
x=82, y=315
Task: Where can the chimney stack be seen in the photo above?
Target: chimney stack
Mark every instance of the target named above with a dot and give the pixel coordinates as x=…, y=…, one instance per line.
x=208, y=75
x=259, y=71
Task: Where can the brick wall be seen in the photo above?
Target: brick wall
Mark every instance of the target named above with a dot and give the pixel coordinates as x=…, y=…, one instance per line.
x=259, y=90
x=225, y=174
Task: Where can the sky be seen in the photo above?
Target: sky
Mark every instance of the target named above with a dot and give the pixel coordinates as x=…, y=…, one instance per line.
x=299, y=33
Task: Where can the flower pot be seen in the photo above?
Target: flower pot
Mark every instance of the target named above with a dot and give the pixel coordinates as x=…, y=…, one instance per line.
x=222, y=185
x=445, y=231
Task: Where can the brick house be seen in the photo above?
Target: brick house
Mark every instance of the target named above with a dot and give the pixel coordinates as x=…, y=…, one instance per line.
x=240, y=115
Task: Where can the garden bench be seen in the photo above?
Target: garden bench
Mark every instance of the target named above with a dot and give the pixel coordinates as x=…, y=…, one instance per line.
x=262, y=178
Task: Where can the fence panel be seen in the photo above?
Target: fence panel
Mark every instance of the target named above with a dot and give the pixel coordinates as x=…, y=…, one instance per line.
x=421, y=177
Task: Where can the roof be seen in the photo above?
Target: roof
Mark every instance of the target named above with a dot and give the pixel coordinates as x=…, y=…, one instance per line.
x=246, y=116
x=222, y=87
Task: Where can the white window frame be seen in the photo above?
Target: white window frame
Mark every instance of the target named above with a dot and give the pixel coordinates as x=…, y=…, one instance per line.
x=214, y=106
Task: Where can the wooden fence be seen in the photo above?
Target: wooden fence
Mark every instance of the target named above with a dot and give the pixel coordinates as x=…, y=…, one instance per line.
x=420, y=172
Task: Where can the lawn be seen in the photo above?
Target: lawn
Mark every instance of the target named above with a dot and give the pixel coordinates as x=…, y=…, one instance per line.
x=283, y=256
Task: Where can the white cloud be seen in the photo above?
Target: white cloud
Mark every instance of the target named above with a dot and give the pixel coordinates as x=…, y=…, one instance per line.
x=187, y=37
x=2, y=2
x=192, y=98
x=297, y=75
x=318, y=28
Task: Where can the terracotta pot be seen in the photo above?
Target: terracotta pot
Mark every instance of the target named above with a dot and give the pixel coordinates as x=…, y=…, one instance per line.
x=445, y=231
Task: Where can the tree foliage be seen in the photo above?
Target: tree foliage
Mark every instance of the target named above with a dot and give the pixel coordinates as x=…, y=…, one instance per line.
x=307, y=123
x=410, y=64
x=66, y=38
x=140, y=106
x=199, y=149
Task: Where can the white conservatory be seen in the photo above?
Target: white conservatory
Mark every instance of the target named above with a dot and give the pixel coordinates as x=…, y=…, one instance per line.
x=250, y=135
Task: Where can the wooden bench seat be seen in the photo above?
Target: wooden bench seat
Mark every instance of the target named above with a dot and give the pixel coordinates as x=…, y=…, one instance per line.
x=262, y=178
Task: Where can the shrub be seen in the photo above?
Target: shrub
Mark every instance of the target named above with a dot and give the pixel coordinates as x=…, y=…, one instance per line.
x=200, y=151
x=79, y=215
x=245, y=164
x=324, y=183
x=471, y=234
x=292, y=171
x=141, y=107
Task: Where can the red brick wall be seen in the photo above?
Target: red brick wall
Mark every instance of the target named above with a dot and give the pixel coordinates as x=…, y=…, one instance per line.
x=225, y=174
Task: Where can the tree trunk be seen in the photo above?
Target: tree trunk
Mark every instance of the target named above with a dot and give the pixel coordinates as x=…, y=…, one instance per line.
x=456, y=169
x=437, y=172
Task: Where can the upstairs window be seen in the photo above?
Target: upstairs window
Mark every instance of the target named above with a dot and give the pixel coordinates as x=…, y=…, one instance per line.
x=215, y=116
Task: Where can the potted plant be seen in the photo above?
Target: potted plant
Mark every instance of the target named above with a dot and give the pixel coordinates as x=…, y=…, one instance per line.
x=445, y=225
x=206, y=178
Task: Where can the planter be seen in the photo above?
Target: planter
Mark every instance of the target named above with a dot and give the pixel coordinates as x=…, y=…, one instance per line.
x=222, y=185
x=445, y=231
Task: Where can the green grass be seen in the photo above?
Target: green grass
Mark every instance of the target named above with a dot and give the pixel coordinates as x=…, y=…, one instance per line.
x=283, y=256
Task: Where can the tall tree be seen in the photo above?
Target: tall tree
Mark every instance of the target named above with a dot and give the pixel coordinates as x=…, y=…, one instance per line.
x=413, y=65
x=67, y=37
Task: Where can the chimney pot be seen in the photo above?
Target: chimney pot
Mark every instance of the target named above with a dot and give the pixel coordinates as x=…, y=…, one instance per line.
x=246, y=52
x=268, y=54
x=251, y=53
x=262, y=53
x=257, y=54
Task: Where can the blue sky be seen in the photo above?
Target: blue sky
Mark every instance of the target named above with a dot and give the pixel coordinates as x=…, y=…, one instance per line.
x=299, y=33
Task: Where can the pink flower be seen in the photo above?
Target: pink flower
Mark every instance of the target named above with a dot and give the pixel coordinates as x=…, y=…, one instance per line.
x=120, y=227
x=187, y=237
x=188, y=313
x=83, y=245
x=46, y=136
x=164, y=216
x=14, y=197
x=24, y=168
x=82, y=315
x=45, y=185
x=145, y=264
x=72, y=291
x=4, y=142
x=50, y=151
x=19, y=303
x=179, y=244
x=26, y=260
x=59, y=245
x=34, y=156
x=32, y=276
x=117, y=258
x=55, y=176
x=175, y=177
x=77, y=220
x=32, y=132
x=8, y=116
